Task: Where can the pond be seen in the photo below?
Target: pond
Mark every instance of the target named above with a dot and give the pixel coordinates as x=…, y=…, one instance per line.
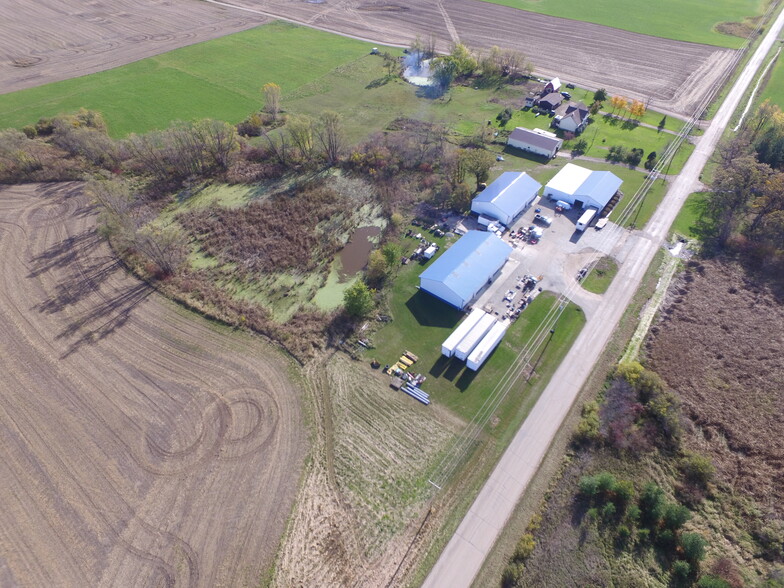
x=354, y=256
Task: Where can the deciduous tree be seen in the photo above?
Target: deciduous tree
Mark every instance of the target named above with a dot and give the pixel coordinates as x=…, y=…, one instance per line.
x=330, y=135
x=358, y=300
x=478, y=162
x=271, y=93
x=618, y=103
x=636, y=109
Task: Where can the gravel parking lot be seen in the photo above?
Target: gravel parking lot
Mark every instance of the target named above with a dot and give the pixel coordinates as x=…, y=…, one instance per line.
x=554, y=260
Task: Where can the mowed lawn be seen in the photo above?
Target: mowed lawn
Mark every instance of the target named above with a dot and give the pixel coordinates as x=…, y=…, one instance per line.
x=604, y=132
x=682, y=20
x=219, y=79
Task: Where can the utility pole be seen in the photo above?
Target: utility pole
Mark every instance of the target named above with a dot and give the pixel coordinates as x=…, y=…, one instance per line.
x=538, y=359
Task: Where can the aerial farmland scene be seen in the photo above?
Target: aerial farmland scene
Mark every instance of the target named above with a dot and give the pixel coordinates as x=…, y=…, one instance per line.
x=436, y=293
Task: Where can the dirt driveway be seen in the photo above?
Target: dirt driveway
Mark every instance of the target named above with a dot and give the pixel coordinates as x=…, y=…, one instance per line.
x=139, y=444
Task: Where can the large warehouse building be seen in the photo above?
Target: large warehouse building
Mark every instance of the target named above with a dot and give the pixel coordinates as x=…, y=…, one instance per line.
x=463, y=270
x=506, y=197
x=583, y=188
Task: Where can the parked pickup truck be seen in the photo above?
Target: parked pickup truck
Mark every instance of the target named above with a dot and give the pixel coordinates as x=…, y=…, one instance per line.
x=543, y=220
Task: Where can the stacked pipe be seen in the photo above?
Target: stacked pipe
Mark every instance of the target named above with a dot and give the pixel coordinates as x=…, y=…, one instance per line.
x=417, y=393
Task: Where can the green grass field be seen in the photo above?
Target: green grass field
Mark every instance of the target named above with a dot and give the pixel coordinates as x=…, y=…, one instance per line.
x=221, y=79
x=218, y=79
x=601, y=276
x=683, y=20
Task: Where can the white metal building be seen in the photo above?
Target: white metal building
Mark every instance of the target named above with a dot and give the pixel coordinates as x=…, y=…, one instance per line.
x=451, y=342
x=508, y=196
x=582, y=187
x=466, y=268
x=486, y=346
x=535, y=141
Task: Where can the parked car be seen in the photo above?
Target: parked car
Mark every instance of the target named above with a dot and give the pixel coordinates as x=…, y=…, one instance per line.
x=563, y=205
x=535, y=232
x=566, y=95
x=543, y=220
x=570, y=86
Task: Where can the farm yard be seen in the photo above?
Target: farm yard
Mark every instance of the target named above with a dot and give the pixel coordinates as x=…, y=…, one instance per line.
x=133, y=431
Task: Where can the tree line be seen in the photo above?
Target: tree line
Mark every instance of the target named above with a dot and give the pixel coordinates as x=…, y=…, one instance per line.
x=744, y=207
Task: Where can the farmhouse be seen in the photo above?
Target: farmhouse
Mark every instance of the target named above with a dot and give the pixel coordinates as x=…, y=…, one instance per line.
x=582, y=187
x=550, y=101
x=463, y=271
x=535, y=141
x=509, y=195
x=571, y=117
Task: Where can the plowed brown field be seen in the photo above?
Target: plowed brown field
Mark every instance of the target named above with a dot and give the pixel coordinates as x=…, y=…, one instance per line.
x=47, y=41
x=50, y=40
x=139, y=444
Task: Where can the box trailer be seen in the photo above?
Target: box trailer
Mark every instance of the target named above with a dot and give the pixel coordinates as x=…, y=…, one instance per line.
x=448, y=346
x=466, y=346
x=586, y=219
x=486, y=346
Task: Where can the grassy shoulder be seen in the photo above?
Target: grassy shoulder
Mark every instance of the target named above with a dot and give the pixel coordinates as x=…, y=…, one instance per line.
x=686, y=222
x=601, y=276
x=671, y=19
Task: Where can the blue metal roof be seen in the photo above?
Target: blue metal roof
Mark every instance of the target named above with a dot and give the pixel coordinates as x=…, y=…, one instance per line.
x=601, y=186
x=510, y=192
x=467, y=265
